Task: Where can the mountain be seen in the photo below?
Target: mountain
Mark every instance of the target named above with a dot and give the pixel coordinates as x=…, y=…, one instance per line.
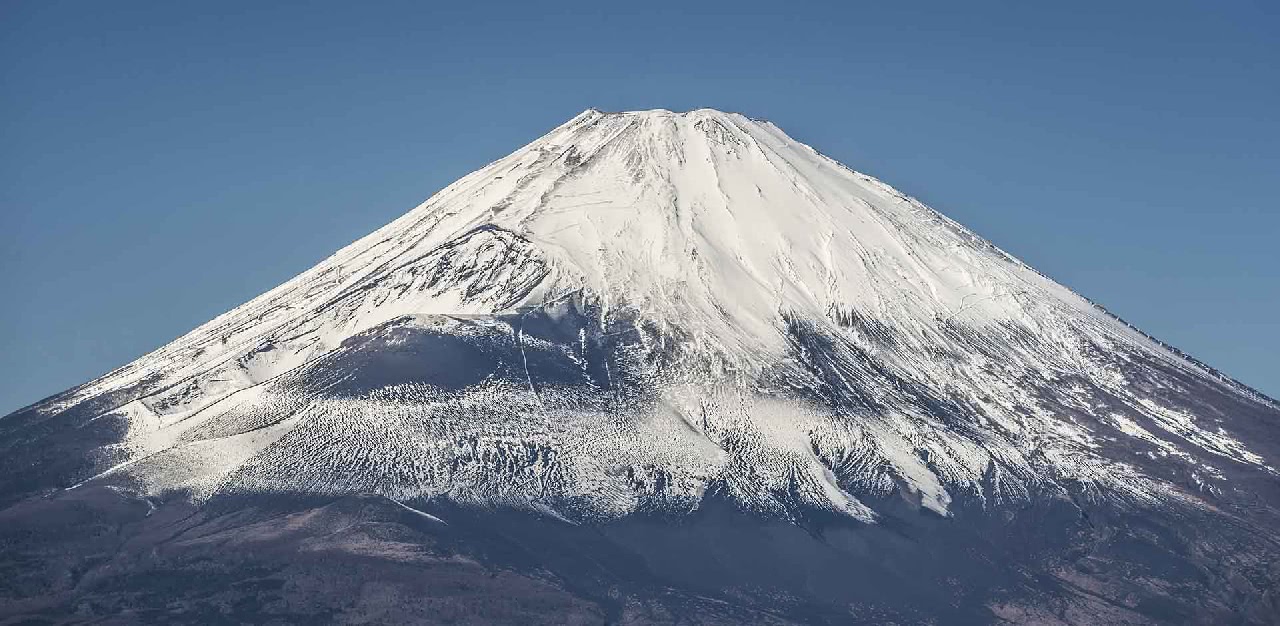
x=653, y=367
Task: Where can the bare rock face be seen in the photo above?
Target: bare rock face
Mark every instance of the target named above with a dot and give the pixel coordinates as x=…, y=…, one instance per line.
x=652, y=367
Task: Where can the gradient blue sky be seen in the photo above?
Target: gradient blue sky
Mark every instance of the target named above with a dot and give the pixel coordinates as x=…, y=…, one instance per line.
x=163, y=162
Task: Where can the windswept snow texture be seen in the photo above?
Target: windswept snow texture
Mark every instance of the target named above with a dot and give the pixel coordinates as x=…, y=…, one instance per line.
x=639, y=312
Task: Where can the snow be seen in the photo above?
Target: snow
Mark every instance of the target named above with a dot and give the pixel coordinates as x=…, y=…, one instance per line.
x=708, y=226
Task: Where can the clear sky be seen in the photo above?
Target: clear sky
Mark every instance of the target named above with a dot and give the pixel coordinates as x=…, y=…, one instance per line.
x=162, y=162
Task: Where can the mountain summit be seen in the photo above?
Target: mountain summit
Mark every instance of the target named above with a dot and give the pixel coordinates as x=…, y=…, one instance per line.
x=673, y=320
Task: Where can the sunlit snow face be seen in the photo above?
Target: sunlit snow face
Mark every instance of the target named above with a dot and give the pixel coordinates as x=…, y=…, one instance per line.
x=638, y=308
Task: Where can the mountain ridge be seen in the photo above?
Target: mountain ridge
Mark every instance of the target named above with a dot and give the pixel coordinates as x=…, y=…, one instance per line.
x=593, y=111
x=652, y=323
x=476, y=260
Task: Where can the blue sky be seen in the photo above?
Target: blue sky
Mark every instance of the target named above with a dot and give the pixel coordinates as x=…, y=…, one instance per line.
x=161, y=163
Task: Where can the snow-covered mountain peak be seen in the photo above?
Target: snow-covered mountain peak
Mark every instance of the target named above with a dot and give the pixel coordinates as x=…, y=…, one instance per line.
x=721, y=208
x=640, y=308
x=678, y=364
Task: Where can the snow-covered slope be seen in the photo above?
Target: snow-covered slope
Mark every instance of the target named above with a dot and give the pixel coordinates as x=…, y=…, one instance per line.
x=641, y=310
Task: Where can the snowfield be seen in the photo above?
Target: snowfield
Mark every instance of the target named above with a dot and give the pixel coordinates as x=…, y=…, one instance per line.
x=639, y=308
x=653, y=367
